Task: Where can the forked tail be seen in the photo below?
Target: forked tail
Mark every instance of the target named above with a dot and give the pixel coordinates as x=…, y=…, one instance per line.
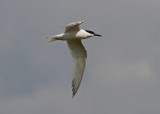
x=51, y=39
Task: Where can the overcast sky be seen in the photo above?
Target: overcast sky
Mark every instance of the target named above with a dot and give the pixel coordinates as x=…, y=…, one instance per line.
x=122, y=74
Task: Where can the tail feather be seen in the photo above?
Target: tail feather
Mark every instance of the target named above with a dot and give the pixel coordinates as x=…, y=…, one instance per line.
x=51, y=39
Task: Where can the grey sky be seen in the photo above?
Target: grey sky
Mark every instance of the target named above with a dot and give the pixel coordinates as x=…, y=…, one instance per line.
x=122, y=73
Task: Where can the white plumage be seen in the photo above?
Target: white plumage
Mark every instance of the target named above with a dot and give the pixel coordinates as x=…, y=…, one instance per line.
x=73, y=35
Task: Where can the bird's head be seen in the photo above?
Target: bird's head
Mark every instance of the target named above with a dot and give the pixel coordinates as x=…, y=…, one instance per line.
x=91, y=32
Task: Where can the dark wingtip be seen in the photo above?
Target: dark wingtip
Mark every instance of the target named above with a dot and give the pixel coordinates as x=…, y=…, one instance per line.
x=73, y=90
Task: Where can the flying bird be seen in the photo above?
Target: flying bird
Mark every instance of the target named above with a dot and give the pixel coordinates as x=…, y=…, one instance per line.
x=73, y=35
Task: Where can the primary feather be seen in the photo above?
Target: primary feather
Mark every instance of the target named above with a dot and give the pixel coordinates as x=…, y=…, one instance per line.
x=79, y=54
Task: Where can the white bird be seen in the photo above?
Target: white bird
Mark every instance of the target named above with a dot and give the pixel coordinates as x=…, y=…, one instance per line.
x=73, y=36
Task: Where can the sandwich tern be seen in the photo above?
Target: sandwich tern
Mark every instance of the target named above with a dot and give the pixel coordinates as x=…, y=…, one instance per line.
x=73, y=35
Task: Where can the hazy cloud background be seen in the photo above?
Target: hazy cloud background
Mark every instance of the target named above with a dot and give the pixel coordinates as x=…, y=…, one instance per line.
x=122, y=72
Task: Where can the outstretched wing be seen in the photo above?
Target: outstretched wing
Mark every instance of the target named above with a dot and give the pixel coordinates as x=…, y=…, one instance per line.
x=73, y=26
x=79, y=54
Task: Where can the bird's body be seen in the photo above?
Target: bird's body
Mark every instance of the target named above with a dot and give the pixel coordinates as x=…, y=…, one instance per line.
x=81, y=34
x=73, y=36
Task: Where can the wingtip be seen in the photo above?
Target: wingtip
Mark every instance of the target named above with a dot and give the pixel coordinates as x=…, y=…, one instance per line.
x=82, y=21
x=73, y=90
x=73, y=94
